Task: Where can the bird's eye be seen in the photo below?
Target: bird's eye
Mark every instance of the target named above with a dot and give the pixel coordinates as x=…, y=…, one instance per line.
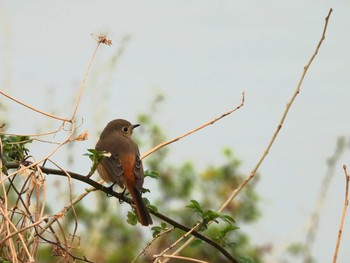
x=125, y=129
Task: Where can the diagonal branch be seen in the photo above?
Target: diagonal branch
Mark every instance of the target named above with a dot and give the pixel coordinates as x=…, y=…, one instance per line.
x=274, y=136
x=163, y=144
x=32, y=108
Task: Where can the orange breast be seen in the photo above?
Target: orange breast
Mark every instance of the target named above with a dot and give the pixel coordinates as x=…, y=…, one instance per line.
x=128, y=162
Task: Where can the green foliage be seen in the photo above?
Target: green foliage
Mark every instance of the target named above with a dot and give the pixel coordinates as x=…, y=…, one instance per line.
x=14, y=148
x=132, y=218
x=96, y=157
x=209, y=215
x=159, y=229
x=152, y=174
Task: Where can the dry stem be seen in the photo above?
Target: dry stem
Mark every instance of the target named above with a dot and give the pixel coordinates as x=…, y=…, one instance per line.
x=346, y=203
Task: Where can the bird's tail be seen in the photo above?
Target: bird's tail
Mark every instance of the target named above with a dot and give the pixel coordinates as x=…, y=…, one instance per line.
x=141, y=210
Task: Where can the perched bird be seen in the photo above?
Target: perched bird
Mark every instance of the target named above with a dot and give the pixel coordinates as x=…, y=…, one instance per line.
x=124, y=165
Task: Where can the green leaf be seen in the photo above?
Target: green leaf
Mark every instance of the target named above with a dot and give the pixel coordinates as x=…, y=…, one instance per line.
x=14, y=148
x=152, y=207
x=132, y=218
x=152, y=174
x=96, y=157
x=227, y=229
x=228, y=219
x=156, y=230
x=145, y=190
x=195, y=206
x=210, y=215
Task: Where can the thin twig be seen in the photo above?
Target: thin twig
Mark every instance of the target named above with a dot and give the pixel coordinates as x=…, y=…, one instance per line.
x=101, y=40
x=70, y=198
x=346, y=203
x=19, y=234
x=32, y=108
x=157, y=257
x=34, y=134
x=185, y=258
x=22, y=229
x=151, y=242
x=161, y=145
x=62, y=212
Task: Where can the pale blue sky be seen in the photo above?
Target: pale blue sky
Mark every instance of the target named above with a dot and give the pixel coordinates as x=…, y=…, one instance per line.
x=201, y=55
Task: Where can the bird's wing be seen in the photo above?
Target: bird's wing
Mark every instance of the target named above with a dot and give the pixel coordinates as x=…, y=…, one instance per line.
x=113, y=165
x=138, y=170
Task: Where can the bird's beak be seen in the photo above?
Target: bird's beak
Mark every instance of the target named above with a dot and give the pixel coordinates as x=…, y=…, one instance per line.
x=135, y=125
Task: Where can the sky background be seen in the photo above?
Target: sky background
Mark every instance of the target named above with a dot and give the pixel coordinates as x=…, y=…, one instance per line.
x=200, y=55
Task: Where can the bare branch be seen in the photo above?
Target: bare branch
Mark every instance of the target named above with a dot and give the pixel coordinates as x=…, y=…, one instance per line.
x=163, y=144
x=157, y=257
x=22, y=229
x=152, y=241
